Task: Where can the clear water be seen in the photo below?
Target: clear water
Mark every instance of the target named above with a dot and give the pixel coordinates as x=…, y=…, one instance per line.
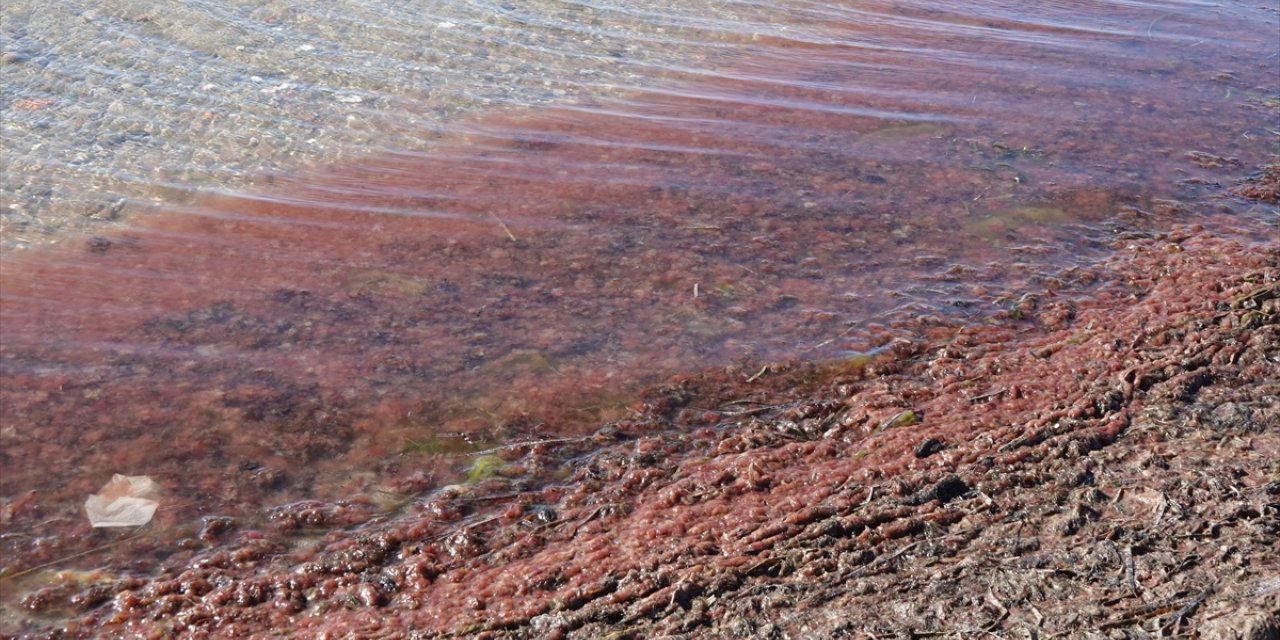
x=107, y=101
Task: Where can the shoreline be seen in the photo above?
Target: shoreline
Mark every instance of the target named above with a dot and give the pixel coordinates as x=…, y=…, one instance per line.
x=1105, y=464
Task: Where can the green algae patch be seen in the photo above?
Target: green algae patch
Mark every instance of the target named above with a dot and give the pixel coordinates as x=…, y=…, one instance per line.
x=854, y=364
x=1039, y=215
x=437, y=445
x=995, y=226
x=904, y=419
x=1079, y=338
x=483, y=468
x=521, y=360
x=695, y=322
x=376, y=280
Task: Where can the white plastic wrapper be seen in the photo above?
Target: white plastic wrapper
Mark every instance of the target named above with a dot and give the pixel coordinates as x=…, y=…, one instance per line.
x=126, y=501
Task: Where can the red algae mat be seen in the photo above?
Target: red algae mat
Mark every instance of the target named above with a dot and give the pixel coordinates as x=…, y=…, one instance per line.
x=1102, y=466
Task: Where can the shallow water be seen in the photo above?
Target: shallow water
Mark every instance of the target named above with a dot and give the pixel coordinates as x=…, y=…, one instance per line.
x=105, y=101
x=508, y=255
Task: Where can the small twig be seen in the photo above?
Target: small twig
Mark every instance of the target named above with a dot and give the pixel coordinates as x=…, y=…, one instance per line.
x=1148, y=612
x=1265, y=587
x=591, y=516
x=495, y=497
x=31, y=570
x=763, y=370
x=986, y=396
x=1003, y=610
x=1186, y=610
x=516, y=445
x=1130, y=572
x=466, y=527
x=882, y=560
x=180, y=505
x=747, y=412
x=504, y=226
x=1153, y=24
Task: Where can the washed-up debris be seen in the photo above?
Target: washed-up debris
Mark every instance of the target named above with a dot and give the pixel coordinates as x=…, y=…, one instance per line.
x=126, y=501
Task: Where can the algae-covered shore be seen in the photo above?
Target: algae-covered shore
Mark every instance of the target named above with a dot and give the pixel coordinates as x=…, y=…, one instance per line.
x=878, y=319
x=1102, y=460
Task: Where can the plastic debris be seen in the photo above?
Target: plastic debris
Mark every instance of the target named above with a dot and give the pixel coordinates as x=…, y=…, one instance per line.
x=126, y=501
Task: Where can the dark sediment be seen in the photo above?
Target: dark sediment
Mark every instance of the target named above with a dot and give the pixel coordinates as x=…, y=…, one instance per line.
x=1099, y=468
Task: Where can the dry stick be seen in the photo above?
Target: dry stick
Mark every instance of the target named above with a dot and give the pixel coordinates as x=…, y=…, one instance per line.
x=986, y=396
x=1186, y=610
x=504, y=226
x=599, y=512
x=1149, y=611
x=882, y=560
x=1130, y=571
x=1003, y=610
x=1153, y=24
x=516, y=445
x=1141, y=615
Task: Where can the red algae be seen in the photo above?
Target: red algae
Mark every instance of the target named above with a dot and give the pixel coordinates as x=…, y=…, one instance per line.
x=667, y=525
